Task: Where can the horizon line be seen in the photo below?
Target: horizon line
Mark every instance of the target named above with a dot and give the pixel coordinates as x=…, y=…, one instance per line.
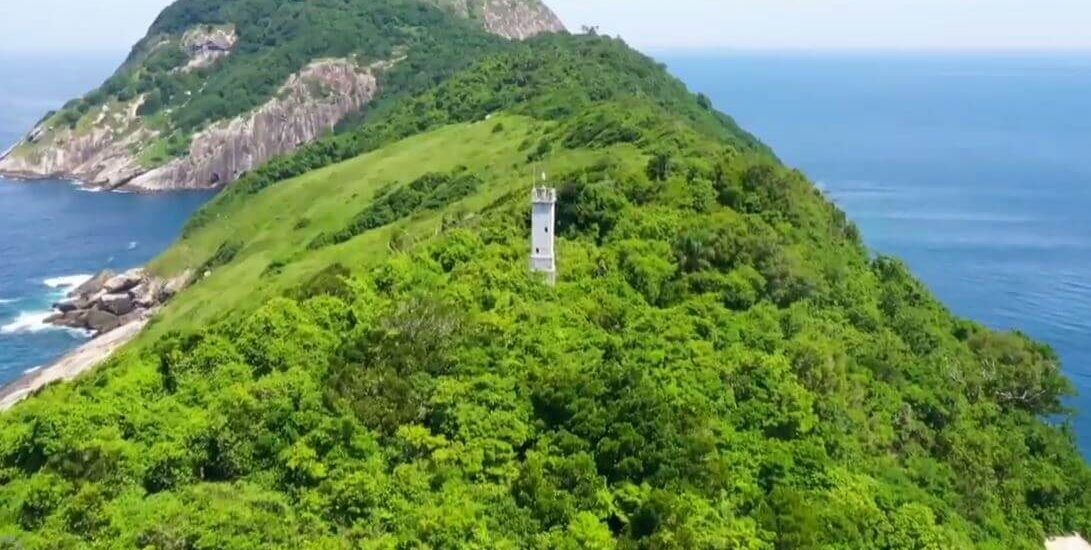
x=1086, y=50
x=694, y=49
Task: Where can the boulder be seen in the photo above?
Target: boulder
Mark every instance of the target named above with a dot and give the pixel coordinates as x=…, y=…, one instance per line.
x=108, y=300
x=75, y=319
x=119, y=283
x=124, y=282
x=130, y=317
x=118, y=304
x=87, y=302
x=64, y=306
x=146, y=294
x=174, y=286
x=93, y=285
x=71, y=319
x=101, y=321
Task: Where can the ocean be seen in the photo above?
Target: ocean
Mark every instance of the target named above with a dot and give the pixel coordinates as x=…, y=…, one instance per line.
x=975, y=169
x=52, y=235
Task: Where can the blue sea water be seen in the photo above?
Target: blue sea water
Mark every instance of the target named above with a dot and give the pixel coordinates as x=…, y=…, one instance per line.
x=974, y=169
x=51, y=233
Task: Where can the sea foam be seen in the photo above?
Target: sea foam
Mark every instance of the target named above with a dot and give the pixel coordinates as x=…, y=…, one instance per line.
x=34, y=321
x=28, y=321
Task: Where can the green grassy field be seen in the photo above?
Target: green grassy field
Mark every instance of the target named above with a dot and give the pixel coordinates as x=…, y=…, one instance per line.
x=276, y=225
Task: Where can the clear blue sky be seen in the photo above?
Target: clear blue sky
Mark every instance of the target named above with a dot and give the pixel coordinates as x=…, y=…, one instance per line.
x=113, y=25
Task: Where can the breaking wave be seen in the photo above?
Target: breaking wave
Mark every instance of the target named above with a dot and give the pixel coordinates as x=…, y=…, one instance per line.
x=31, y=322
x=28, y=321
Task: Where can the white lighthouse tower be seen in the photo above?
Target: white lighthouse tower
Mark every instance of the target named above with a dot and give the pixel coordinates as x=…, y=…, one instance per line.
x=543, y=215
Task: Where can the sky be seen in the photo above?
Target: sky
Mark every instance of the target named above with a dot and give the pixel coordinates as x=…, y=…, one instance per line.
x=114, y=25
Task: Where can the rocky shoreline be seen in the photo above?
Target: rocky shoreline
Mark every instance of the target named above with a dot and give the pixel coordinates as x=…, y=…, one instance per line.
x=115, y=307
x=307, y=106
x=111, y=300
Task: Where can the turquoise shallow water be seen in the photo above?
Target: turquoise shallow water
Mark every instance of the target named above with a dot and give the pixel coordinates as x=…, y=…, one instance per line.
x=51, y=234
x=975, y=169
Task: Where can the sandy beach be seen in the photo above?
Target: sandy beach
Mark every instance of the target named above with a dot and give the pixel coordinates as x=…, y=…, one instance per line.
x=84, y=358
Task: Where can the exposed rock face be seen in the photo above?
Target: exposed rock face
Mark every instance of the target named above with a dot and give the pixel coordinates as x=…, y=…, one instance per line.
x=94, y=284
x=148, y=294
x=118, y=304
x=519, y=19
x=109, y=301
x=309, y=105
x=512, y=19
x=100, y=322
x=206, y=44
x=106, y=151
x=101, y=156
x=125, y=281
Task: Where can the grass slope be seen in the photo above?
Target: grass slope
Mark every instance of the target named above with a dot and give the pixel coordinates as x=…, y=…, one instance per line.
x=278, y=224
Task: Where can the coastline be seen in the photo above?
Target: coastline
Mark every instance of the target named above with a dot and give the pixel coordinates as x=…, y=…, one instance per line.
x=141, y=296
x=84, y=358
x=80, y=184
x=28, y=178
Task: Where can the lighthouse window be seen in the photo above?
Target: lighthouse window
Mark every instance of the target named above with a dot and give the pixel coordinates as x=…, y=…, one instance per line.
x=547, y=229
x=537, y=251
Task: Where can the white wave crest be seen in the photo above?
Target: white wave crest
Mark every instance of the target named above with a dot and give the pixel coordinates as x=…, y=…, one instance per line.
x=28, y=321
x=8, y=301
x=67, y=281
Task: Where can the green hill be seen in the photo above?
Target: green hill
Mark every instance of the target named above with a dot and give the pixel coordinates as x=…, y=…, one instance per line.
x=219, y=87
x=365, y=360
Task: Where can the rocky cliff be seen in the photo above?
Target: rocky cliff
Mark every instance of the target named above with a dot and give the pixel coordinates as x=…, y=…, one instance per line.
x=310, y=104
x=512, y=19
x=204, y=45
x=100, y=154
x=125, y=135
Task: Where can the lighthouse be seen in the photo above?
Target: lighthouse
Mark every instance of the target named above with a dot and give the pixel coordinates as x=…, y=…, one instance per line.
x=543, y=215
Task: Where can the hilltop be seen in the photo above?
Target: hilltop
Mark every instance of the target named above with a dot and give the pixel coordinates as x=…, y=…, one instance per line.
x=364, y=360
x=217, y=89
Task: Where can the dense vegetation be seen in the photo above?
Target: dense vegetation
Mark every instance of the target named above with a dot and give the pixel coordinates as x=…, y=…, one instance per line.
x=276, y=39
x=721, y=364
x=428, y=192
x=549, y=78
